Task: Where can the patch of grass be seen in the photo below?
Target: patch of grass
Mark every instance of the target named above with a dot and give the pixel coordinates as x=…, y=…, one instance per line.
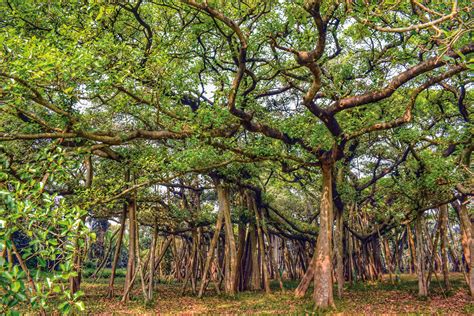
x=469, y=309
x=104, y=273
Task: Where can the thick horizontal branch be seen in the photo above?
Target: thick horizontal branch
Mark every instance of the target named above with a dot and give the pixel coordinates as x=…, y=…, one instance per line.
x=111, y=140
x=407, y=116
x=398, y=81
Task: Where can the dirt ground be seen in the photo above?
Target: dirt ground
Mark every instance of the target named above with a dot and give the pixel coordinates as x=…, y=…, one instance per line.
x=373, y=298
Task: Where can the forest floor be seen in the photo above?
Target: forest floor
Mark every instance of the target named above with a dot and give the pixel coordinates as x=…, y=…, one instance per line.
x=374, y=298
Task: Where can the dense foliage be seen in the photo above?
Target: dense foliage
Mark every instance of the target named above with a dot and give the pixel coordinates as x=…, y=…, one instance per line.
x=335, y=126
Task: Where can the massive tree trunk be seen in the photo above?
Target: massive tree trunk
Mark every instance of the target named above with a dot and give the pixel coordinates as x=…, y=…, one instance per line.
x=323, y=287
x=261, y=243
x=224, y=206
x=443, y=226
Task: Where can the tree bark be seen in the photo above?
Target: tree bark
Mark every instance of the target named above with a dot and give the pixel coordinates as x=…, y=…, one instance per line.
x=467, y=241
x=420, y=267
x=191, y=264
x=210, y=254
x=305, y=282
x=273, y=265
x=471, y=265
x=350, y=257
x=338, y=236
x=261, y=244
x=388, y=258
x=411, y=244
x=131, y=207
x=152, y=262
x=224, y=206
x=253, y=255
x=323, y=287
x=140, y=265
x=162, y=251
x=240, y=255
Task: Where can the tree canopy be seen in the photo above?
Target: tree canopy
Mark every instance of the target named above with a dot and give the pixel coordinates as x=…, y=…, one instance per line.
x=310, y=121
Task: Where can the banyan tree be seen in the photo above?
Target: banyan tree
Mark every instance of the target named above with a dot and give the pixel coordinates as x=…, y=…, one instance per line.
x=227, y=144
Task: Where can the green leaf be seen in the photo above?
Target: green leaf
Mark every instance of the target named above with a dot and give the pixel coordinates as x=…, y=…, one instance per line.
x=80, y=306
x=16, y=286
